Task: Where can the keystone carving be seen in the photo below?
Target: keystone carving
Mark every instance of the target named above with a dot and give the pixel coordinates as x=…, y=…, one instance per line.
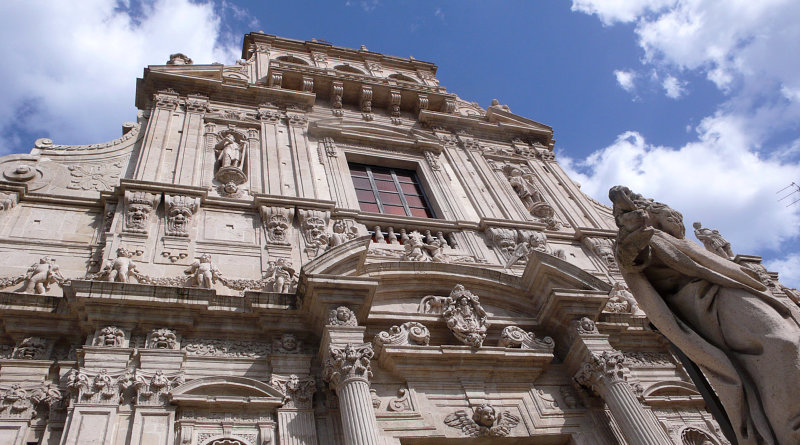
x=138, y=208
x=299, y=391
x=484, y=422
x=163, y=339
x=516, y=337
x=348, y=363
x=180, y=210
x=109, y=336
x=408, y=333
x=463, y=313
x=341, y=316
x=277, y=221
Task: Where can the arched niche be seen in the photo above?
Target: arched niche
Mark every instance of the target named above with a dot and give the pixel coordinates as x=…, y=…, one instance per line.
x=402, y=77
x=345, y=68
x=292, y=59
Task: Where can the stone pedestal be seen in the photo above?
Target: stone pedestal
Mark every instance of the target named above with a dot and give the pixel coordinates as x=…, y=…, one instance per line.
x=604, y=374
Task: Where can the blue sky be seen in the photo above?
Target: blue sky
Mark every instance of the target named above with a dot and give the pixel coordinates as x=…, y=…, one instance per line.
x=695, y=103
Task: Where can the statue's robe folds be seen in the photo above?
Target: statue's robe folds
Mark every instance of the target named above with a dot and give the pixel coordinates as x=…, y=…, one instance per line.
x=746, y=341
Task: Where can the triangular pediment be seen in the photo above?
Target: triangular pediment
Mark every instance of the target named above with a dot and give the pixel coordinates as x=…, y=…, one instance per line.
x=506, y=118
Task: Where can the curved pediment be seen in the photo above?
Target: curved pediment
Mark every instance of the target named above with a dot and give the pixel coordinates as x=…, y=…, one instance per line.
x=372, y=131
x=227, y=390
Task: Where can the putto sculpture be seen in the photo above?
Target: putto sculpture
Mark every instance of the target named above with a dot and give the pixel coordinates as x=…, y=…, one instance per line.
x=485, y=421
x=41, y=275
x=118, y=269
x=743, y=338
x=203, y=272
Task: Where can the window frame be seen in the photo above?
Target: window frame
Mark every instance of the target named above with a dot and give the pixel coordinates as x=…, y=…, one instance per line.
x=415, y=179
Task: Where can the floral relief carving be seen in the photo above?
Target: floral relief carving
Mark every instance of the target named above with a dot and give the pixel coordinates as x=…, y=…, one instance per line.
x=207, y=347
x=100, y=177
x=463, y=313
x=516, y=337
x=401, y=403
x=484, y=422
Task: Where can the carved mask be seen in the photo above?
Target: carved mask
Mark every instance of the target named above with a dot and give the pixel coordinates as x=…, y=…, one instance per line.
x=137, y=215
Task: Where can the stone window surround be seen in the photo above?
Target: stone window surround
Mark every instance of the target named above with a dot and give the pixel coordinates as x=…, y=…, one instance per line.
x=394, y=170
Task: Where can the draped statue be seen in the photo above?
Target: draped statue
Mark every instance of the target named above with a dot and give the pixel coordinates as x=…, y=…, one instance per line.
x=745, y=340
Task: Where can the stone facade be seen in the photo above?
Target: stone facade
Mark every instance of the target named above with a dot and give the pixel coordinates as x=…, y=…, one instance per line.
x=211, y=276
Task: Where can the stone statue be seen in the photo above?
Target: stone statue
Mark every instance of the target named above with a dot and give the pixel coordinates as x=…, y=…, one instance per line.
x=745, y=340
x=120, y=267
x=229, y=152
x=280, y=276
x=41, y=275
x=203, y=272
x=713, y=241
x=341, y=233
x=485, y=421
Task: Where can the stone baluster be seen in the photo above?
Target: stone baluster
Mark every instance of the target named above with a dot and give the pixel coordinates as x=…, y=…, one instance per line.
x=604, y=374
x=428, y=237
x=348, y=372
x=440, y=237
x=379, y=235
x=403, y=236
x=391, y=238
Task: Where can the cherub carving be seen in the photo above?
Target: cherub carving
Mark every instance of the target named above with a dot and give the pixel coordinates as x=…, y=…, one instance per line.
x=280, y=276
x=120, y=267
x=286, y=343
x=203, y=272
x=415, y=248
x=41, y=275
x=342, y=316
x=484, y=422
x=341, y=233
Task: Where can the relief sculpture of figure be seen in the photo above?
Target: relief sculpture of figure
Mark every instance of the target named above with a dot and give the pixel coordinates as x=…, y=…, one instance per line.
x=713, y=241
x=230, y=152
x=746, y=341
x=41, y=275
x=203, y=272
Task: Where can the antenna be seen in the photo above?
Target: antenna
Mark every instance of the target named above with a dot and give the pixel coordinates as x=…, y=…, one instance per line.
x=794, y=189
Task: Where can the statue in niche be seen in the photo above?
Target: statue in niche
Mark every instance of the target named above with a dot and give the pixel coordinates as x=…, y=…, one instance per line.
x=713, y=241
x=280, y=276
x=203, y=272
x=743, y=338
x=485, y=421
x=41, y=275
x=523, y=185
x=119, y=268
x=231, y=155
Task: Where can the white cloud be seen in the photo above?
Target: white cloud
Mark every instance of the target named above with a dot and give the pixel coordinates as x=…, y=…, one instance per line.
x=625, y=79
x=69, y=68
x=727, y=177
x=673, y=87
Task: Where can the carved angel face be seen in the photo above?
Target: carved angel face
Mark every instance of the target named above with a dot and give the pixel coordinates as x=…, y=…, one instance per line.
x=485, y=415
x=342, y=313
x=338, y=227
x=205, y=258
x=137, y=214
x=288, y=342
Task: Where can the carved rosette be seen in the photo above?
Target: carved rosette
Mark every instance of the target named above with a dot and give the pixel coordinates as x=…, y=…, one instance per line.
x=516, y=337
x=138, y=208
x=299, y=391
x=601, y=370
x=341, y=316
x=351, y=362
x=277, y=222
x=409, y=333
x=180, y=210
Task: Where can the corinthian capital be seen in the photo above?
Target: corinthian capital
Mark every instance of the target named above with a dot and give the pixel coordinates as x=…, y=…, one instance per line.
x=351, y=362
x=601, y=370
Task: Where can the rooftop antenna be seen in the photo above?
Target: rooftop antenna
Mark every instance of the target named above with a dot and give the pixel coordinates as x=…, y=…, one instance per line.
x=793, y=189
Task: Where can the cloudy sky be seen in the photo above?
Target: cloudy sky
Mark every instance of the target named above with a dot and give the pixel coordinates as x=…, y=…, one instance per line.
x=695, y=103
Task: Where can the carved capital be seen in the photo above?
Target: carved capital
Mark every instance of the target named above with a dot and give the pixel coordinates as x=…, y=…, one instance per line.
x=296, y=120
x=196, y=103
x=601, y=370
x=167, y=99
x=269, y=116
x=299, y=391
x=351, y=362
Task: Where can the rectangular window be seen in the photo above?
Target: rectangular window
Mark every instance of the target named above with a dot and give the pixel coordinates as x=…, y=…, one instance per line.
x=391, y=191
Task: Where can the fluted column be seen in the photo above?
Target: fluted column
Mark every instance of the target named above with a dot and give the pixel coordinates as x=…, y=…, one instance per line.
x=603, y=373
x=347, y=370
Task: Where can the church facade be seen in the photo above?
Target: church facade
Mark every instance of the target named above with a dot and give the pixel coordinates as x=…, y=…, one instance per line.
x=321, y=245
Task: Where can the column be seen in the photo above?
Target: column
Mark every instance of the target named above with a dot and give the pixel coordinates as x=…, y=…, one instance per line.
x=603, y=373
x=347, y=369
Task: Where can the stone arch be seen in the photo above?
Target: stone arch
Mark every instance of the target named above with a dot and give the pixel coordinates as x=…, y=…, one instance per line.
x=236, y=390
x=292, y=59
x=345, y=68
x=665, y=389
x=402, y=77
x=225, y=440
x=696, y=436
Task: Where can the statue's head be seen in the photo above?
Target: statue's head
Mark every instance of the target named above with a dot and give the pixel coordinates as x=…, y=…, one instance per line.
x=205, y=258
x=485, y=415
x=697, y=225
